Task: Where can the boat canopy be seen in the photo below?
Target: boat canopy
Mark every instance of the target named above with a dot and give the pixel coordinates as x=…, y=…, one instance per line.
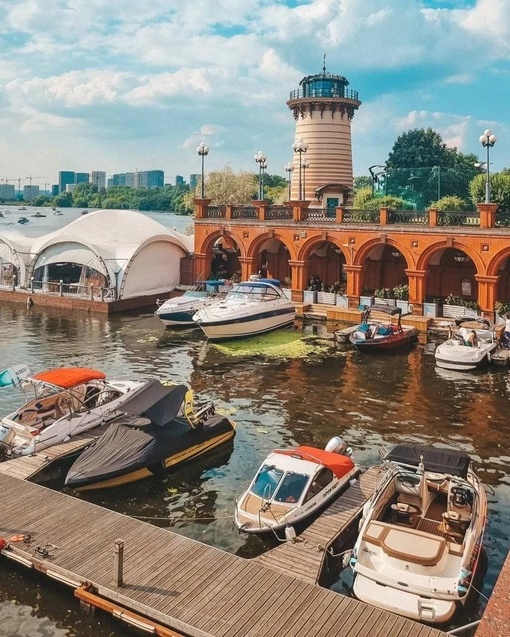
x=484, y=322
x=435, y=459
x=392, y=311
x=66, y=377
x=160, y=403
x=262, y=283
x=339, y=465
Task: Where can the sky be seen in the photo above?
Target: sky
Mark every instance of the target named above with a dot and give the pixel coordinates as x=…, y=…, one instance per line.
x=137, y=84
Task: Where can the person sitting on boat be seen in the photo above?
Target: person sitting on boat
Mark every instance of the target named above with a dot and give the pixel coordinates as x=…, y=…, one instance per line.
x=506, y=333
x=472, y=339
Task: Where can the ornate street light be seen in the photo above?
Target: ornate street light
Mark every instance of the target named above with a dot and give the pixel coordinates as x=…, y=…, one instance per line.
x=487, y=140
x=203, y=150
x=300, y=147
x=290, y=169
x=261, y=160
x=395, y=253
x=304, y=166
x=460, y=257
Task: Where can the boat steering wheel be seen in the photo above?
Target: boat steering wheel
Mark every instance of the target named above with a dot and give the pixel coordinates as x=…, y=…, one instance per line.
x=459, y=497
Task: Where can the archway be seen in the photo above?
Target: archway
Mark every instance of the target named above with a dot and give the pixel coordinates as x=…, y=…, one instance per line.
x=451, y=275
x=503, y=290
x=384, y=272
x=326, y=268
x=273, y=261
x=225, y=262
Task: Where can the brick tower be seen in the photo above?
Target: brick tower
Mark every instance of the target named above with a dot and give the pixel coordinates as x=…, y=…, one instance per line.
x=323, y=108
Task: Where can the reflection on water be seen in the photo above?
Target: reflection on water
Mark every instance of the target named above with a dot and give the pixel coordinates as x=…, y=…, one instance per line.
x=370, y=400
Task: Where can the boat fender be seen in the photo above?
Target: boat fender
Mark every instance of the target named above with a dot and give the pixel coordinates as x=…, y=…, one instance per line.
x=3, y=544
x=290, y=533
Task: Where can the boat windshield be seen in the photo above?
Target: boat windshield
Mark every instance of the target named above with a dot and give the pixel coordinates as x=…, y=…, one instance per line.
x=291, y=487
x=244, y=292
x=266, y=481
x=196, y=294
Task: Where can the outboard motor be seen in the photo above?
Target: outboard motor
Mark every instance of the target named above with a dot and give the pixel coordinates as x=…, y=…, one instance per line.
x=7, y=435
x=337, y=445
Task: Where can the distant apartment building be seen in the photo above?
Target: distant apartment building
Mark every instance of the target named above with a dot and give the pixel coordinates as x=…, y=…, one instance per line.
x=140, y=179
x=54, y=190
x=193, y=181
x=30, y=192
x=179, y=180
x=71, y=187
x=67, y=177
x=98, y=178
x=7, y=191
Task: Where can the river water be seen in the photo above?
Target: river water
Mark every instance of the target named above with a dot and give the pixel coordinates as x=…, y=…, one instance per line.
x=369, y=400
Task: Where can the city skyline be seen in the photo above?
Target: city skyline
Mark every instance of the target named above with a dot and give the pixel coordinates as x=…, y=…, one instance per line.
x=142, y=86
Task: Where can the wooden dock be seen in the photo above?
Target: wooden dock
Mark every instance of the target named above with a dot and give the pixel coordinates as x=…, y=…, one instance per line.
x=305, y=558
x=197, y=590
x=28, y=467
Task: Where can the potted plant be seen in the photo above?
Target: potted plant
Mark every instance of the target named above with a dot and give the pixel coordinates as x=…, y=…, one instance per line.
x=401, y=295
x=458, y=307
x=383, y=297
x=501, y=308
x=341, y=296
x=286, y=283
x=366, y=299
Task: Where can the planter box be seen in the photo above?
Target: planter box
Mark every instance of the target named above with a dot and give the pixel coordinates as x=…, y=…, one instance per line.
x=499, y=319
x=287, y=293
x=309, y=296
x=403, y=305
x=457, y=311
x=386, y=302
x=431, y=309
x=327, y=298
x=342, y=301
x=366, y=301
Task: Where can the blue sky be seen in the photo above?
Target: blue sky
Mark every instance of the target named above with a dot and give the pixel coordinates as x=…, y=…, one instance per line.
x=136, y=85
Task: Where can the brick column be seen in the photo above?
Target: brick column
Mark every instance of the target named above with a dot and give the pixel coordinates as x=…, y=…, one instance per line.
x=354, y=287
x=247, y=267
x=340, y=214
x=383, y=216
x=487, y=290
x=298, y=277
x=298, y=208
x=417, y=289
x=432, y=217
x=261, y=207
x=201, y=206
x=201, y=266
x=487, y=214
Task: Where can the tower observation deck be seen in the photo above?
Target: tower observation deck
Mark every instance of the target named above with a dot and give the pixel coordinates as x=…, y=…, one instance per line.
x=323, y=108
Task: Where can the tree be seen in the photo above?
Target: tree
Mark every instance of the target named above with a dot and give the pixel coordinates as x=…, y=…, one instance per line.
x=364, y=200
x=363, y=181
x=500, y=193
x=224, y=187
x=421, y=168
x=449, y=204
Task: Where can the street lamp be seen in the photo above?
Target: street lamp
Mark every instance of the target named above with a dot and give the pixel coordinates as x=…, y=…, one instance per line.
x=300, y=147
x=261, y=160
x=290, y=169
x=203, y=150
x=304, y=166
x=375, y=176
x=487, y=140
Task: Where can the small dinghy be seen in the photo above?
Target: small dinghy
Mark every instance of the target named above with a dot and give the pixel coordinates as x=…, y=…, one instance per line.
x=470, y=345
x=421, y=534
x=374, y=335
x=292, y=484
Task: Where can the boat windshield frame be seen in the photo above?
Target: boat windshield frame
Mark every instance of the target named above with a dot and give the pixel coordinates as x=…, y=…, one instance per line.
x=253, y=290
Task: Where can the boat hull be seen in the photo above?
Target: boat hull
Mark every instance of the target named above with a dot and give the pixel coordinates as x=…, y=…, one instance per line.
x=462, y=358
x=386, y=343
x=251, y=325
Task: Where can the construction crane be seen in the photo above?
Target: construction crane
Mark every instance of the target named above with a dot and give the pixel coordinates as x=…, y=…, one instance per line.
x=30, y=178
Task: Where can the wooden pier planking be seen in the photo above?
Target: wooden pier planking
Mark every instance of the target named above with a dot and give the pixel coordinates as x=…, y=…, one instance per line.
x=27, y=467
x=192, y=588
x=304, y=558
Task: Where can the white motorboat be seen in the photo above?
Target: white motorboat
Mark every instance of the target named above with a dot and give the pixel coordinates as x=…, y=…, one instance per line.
x=421, y=534
x=460, y=353
x=67, y=401
x=179, y=310
x=292, y=484
x=251, y=307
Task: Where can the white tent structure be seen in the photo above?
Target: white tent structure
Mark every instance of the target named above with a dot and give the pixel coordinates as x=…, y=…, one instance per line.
x=14, y=255
x=133, y=254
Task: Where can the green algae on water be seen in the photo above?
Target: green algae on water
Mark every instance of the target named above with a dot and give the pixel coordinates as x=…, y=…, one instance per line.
x=282, y=344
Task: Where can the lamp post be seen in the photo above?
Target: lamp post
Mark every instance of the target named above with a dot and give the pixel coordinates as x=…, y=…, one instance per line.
x=203, y=150
x=261, y=160
x=304, y=166
x=290, y=169
x=487, y=140
x=375, y=176
x=300, y=147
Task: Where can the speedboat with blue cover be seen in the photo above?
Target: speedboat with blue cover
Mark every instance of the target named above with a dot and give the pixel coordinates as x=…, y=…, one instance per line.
x=159, y=430
x=421, y=534
x=251, y=307
x=293, y=484
x=179, y=310
x=376, y=334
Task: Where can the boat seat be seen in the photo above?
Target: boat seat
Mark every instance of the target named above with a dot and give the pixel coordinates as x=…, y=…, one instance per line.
x=454, y=525
x=407, y=514
x=406, y=544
